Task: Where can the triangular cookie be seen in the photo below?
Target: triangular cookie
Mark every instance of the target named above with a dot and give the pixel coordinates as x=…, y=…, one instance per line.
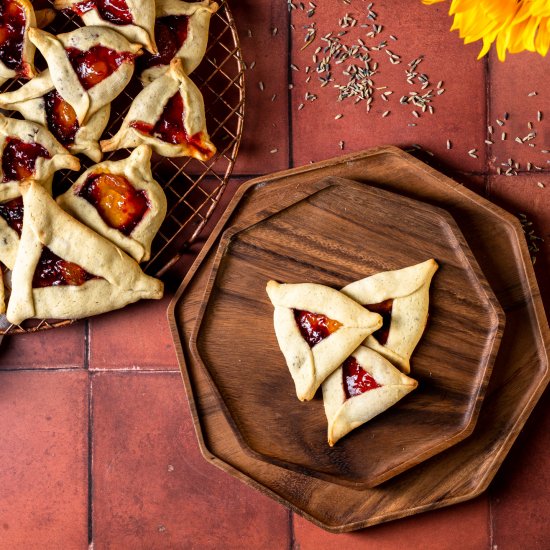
x=28, y=150
x=167, y=115
x=317, y=327
x=121, y=201
x=365, y=385
x=64, y=270
x=89, y=67
x=181, y=30
x=402, y=298
x=16, y=50
x=53, y=112
x=133, y=19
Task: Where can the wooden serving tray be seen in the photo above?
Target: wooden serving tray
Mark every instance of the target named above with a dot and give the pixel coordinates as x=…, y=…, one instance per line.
x=342, y=233
x=520, y=373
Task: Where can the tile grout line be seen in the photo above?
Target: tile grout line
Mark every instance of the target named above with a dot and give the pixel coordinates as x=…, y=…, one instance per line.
x=491, y=523
x=291, y=536
x=487, y=121
x=90, y=462
x=289, y=91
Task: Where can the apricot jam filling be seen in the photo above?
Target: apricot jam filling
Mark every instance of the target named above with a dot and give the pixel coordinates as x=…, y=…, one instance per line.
x=384, y=309
x=113, y=11
x=61, y=118
x=118, y=203
x=96, y=64
x=12, y=32
x=170, y=34
x=356, y=379
x=12, y=212
x=52, y=270
x=315, y=327
x=19, y=158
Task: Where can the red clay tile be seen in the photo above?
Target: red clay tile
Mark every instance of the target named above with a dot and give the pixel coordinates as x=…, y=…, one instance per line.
x=151, y=486
x=511, y=84
x=464, y=526
x=136, y=337
x=44, y=459
x=50, y=349
x=266, y=125
x=520, y=506
x=420, y=30
x=521, y=194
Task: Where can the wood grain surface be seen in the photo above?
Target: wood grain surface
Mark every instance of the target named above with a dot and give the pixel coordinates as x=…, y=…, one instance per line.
x=519, y=376
x=345, y=232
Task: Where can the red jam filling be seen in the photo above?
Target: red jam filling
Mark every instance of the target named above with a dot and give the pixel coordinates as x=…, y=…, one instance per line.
x=315, y=327
x=169, y=127
x=12, y=212
x=113, y=11
x=19, y=159
x=94, y=65
x=356, y=379
x=12, y=31
x=118, y=203
x=384, y=309
x=54, y=271
x=61, y=118
x=170, y=34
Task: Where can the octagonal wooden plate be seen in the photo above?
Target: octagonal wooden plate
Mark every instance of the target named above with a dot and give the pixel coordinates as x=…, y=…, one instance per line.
x=520, y=373
x=344, y=232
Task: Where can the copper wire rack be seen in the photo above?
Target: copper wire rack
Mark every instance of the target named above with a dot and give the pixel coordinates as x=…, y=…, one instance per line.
x=192, y=187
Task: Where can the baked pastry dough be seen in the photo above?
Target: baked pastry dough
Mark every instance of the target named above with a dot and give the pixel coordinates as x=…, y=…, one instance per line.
x=363, y=387
x=11, y=224
x=404, y=294
x=16, y=50
x=53, y=112
x=342, y=326
x=133, y=19
x=64, y=270
x=89, y=67
x=168, y=115
x=44, y=16
x=27, y=150
x=131, y=201
x=181, y=30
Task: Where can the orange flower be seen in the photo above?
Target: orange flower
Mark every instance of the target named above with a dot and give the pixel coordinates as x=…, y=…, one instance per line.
x=515, y=25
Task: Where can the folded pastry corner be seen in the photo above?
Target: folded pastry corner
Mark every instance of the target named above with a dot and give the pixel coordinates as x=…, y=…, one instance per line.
x=365, y=385
x=316, y=327
x=402, y=297
x=65, y=270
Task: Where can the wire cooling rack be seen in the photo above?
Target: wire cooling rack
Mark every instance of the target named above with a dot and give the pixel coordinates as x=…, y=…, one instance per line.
x=193, y=188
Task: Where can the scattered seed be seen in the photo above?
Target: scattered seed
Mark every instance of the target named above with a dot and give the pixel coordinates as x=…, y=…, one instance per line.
x=385, y=114
x=300, y=107
x=338, y=117
x=500, y=122
x=489, y=142
x=294, y=67
x=503, y=136
x=252, y=65
x=416, y=114
x=472, y=153
x=540, y=184
x=449, y=144
x=273, y=151
x=273, y=97
x=532, y=94
x=341, y=144
x=539, y=116
x=261, y=86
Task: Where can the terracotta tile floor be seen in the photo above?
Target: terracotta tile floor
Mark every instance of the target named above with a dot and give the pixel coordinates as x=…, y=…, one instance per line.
x=97, y=443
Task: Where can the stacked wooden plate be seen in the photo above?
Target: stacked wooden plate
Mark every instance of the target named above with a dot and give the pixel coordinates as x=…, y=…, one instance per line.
x=481, y=365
